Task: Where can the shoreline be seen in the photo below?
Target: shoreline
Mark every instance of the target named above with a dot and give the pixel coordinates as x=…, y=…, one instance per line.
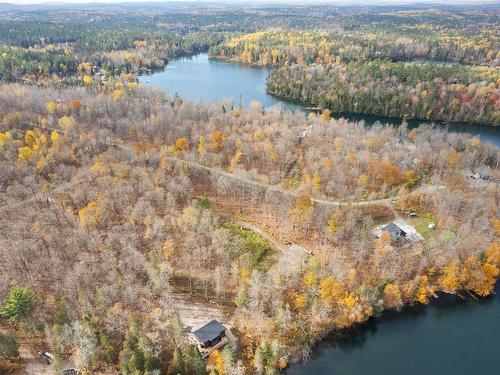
x=314, y=107
x=487, y=133
x=355, y=336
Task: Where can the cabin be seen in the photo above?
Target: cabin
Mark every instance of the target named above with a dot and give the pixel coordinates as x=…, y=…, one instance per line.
x=396, y=232
x=209, y=337
x=399, y=231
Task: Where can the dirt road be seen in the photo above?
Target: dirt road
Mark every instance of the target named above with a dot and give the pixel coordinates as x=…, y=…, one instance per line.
x=195, y=314
x=278, y=189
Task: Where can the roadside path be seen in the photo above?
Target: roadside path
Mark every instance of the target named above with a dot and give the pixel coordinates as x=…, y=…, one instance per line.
x=219, y=172
x=278, y=189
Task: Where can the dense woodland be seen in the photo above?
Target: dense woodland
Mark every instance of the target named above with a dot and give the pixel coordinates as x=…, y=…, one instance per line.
x=412, y=90
x=106, y=222
x=375, y=71
x=306, y=47
x=117, y=40
x=117, y=202
x=41, y=62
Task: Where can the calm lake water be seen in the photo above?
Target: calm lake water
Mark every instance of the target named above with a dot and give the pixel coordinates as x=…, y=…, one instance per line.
x=451, y=336
x=200, y=79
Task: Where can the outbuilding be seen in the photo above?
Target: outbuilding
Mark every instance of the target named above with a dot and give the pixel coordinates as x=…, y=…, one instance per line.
x=210, y=337
x=395, y=231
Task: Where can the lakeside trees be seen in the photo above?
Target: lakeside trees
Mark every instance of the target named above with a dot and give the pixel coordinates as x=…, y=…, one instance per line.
x=44, y=62
x=411, y=90
x=376, y=71
x=277, y=48
x=82, y=44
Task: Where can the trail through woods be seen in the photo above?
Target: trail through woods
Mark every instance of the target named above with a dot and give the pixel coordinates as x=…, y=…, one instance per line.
x=243, y=180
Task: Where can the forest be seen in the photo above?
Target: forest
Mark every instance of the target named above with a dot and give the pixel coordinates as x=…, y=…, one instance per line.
x=107, y=222
x=307, y=47
x=450, y=75
x=118, y=40
x=404, y=90
x=120, y=205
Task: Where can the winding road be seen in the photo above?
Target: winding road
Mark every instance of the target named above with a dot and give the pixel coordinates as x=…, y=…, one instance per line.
x=246, y=181
x=427, y=189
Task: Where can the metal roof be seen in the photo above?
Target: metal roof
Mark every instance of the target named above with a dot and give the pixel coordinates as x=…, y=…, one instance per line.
x=394, y=230
x=209, y=331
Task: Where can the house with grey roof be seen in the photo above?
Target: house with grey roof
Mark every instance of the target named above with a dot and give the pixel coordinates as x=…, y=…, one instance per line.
x=400, y=232
x=209, y=337
x=395, y=231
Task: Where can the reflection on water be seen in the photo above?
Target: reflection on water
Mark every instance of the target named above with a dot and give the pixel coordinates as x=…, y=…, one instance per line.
x=450, y=336
x=200, y=79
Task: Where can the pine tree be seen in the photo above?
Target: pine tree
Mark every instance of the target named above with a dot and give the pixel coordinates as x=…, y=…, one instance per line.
x=18, y=305
x=177, y=365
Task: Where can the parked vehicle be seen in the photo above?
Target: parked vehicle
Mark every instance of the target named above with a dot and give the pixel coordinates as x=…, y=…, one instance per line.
x=47, y=357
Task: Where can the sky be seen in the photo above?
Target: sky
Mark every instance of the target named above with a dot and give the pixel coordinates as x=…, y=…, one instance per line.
x=343, y=2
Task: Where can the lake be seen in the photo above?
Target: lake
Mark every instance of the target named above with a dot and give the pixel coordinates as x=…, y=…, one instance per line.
x=198, y=78
x=450, y=336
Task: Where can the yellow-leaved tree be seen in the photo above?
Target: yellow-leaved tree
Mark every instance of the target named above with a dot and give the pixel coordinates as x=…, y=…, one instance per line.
x=55, y=138
x=424, y=290
x=217, y=137
x=392, y=296
x=480, y=278
x=325, y=115
x=87, y=80
x=117, y=95
x=331, y=291
x=451, y=278
x=334, y=223
x=5, y=138
x=202, y=145
x=90, y=215
x=493, y=253
x=216, y=362
x=235, y=160
x=51, y=107
x=181, y=144
x=316, y=181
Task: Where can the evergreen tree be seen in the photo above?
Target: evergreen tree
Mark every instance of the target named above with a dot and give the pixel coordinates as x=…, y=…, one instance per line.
x=177, y=365
x=135, y=358
x=18, y=305
x=9, y=348
x=195, y=365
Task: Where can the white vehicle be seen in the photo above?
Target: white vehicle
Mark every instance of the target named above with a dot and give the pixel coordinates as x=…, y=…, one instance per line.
x=47, y=357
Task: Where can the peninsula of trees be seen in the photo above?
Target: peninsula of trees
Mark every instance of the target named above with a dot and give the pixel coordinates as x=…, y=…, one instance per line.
x=449, y=75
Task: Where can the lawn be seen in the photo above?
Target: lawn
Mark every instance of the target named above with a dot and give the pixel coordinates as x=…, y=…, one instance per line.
x=253, y=244
x=421, y=223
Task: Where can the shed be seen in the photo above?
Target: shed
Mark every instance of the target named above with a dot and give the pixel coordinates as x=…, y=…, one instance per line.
x=395, y=231
x=210, y=334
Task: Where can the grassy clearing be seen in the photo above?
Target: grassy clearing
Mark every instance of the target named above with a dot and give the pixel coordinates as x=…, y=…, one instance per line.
x=252, y=244
x=421, y=223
